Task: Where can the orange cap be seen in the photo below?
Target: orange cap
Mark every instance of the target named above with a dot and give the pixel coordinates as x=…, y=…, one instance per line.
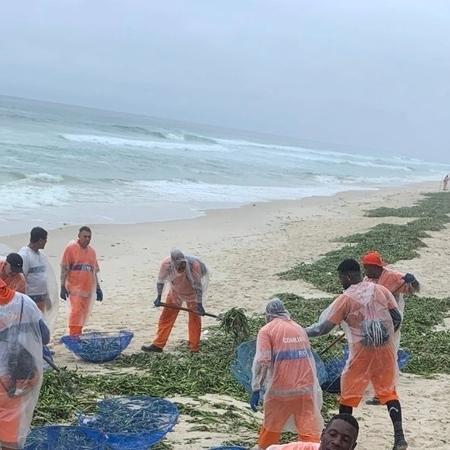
x=373, y=259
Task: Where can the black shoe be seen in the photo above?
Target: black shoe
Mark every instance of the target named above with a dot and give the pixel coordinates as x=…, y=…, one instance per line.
x=373, y=401
x=151, y=348
x=400, y=444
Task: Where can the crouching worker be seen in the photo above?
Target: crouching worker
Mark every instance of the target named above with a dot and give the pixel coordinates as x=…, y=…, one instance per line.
x=22, y=334
x=369, y=315
x=182, y=279
x=341, y=433
x=284, y=368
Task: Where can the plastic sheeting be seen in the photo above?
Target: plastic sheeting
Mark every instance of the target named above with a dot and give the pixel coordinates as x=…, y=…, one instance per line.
x=188, y=286
x=284, y=365
x=41, y=284
x=20, y=368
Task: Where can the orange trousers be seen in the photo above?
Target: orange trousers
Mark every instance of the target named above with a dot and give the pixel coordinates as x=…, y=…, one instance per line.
x=78, y=314
x=377, y=366
x=278, y=411
x=167, y=321
x=10, y=415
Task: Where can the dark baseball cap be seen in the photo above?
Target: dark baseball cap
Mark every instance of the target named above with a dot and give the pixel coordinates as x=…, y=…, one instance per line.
x=15, y=261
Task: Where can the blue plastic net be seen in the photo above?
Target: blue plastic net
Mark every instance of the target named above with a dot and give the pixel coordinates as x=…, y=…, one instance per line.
x=228, y=448
x=98, y=346
x=65, y=438
x=133, y=423
x=242, y=365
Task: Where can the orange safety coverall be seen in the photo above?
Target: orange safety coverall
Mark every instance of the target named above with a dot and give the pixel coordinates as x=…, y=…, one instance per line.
x=15, y=281
x=180, y=290
x=292, y=390
x=376, y=365
x=296, y=446
x=81, y=265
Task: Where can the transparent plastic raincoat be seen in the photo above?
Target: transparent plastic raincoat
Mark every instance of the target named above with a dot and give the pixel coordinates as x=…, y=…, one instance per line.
x=189, y=286
x=284, y=367
x=20, y=365
x=81, y=267
x=366, y=311
x=41, y=284
x=296, y=446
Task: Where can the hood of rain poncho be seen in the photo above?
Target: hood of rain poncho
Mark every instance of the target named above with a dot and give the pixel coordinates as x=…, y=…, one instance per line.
x=284, y=367
x=276, y=309
x=20, y=368
x=41, y=283
x=195, y=276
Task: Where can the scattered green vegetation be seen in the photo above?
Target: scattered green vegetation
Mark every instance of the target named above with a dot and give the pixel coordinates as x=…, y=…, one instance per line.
x=235, y=322
x=393, y=241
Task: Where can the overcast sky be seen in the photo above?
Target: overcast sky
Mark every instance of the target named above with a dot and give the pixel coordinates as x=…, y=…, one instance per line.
x=358, y=73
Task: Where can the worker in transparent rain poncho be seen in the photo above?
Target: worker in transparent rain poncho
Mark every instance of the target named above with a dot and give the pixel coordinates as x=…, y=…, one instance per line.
x=182, y=280
x=285, y=370
x=397, y=283
x=40, y=277
x=22, y=334
x=369, y=316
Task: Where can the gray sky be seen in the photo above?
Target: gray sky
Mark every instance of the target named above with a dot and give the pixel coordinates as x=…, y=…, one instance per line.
x=357, y=73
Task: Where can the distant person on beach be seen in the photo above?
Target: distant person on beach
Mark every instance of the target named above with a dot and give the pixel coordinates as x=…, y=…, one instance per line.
x=79, y=280
x=341, y=433
x=22, y=334
x=284, y=369
x=11, y=272
x=181, y=279
x=370, y=316
x=445, y=182
x=39, y=275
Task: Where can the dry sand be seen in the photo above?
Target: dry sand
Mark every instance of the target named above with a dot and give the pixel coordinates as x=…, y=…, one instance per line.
x=244, y=249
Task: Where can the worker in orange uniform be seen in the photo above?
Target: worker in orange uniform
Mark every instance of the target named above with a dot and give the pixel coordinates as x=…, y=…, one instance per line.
x=11, y=272
x=397, y=283
x=341, y=433
x=369, y=315
x=181, y=279
x=22, y=334
x=284, y=368
x=79, y=280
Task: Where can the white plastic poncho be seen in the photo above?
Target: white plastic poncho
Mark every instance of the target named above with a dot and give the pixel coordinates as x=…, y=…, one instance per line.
x=363, y=311
x=41, y=284
x=187, y=286
x=284, y=367
x=20, y=368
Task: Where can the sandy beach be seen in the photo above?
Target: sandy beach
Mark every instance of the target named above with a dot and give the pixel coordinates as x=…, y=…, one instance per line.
x=244, y=249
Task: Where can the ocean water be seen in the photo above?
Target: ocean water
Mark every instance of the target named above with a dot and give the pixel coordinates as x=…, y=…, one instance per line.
x=71, y=165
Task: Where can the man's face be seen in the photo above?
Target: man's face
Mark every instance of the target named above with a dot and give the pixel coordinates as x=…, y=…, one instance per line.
x=372, y=271
x=84, y=237
x=339, y=435
x=41, y=243
x=180, y=265
x=345, y=280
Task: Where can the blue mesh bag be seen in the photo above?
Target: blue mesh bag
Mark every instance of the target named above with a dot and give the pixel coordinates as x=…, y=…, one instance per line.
x=228, y=448
x=133, y=423
x=98, y=346
x=60, y=437
x=242, y=365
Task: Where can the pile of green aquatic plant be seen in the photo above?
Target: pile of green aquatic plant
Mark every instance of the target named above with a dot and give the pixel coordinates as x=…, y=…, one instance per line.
x=235, y=323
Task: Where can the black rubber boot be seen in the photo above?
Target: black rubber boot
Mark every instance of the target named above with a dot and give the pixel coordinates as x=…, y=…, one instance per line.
x=151, y=348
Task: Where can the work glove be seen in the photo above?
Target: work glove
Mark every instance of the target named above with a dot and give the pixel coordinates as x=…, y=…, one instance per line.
x=99, y=294
x=200, y=309
x=63, y=293
x=409, y=278
x=157, y=301
x=254, y=400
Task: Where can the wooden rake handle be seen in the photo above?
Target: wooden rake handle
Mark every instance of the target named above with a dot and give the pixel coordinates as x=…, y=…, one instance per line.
x=182, y=308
